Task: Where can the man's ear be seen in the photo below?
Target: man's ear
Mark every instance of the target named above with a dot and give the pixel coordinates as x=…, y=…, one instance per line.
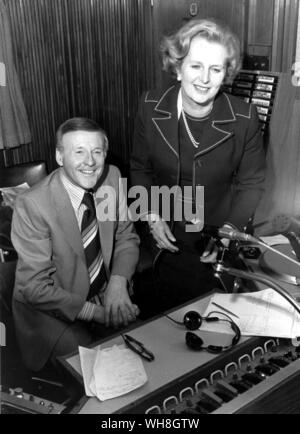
x=58, y=157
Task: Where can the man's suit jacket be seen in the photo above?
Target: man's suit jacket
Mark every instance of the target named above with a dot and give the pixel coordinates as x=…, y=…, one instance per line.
x=229, y=163
x=52, y=279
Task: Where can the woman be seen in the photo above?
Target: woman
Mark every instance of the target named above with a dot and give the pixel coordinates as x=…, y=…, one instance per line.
x=193, y=134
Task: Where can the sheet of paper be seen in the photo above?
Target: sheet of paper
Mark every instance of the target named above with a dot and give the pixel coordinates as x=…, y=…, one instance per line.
x=87, y=360
x=262, y=313
x=275, y=239
x=117, y=371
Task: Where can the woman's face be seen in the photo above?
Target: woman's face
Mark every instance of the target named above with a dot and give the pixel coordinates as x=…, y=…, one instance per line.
x=202, y=73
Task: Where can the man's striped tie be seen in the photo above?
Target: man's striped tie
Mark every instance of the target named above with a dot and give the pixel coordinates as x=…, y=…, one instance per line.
x=92, y=248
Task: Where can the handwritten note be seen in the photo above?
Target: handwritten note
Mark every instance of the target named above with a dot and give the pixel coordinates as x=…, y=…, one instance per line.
x=111, y=372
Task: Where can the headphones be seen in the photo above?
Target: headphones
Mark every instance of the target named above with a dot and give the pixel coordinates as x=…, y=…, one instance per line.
x=192, y=320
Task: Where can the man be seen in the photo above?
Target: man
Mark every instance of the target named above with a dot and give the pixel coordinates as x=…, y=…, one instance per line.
x=74, y=264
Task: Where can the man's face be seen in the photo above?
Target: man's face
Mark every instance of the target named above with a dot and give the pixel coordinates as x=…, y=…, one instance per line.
x=82, y=156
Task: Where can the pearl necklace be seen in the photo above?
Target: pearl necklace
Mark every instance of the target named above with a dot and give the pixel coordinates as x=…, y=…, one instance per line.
x=192, y=138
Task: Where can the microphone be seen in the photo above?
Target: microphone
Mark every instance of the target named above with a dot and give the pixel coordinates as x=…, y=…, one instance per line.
x=290, y=228
x=227, y=232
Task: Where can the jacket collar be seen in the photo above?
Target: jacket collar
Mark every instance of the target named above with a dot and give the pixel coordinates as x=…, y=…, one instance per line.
x=166, y=121
x=168, y=110
x=66, y=216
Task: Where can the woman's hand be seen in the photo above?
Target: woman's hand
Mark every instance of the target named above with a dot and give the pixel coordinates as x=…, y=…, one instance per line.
x=163, y=236
x=211, y=251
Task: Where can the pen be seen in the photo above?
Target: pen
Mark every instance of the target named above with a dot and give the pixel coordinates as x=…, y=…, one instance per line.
x=226, y=310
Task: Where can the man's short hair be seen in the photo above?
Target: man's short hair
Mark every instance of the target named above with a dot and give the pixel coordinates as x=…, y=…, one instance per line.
x=79, y=124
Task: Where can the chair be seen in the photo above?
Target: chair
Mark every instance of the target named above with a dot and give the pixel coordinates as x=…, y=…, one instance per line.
x=12, y=367
x=46, y=383
x=20, y=173
x=12, y=176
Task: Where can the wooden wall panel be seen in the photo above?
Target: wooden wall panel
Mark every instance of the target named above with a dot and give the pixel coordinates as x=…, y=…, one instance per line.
x=284, y=34
x=273, y=31
x=171, y=14
x=81, y=58
x=261, y=22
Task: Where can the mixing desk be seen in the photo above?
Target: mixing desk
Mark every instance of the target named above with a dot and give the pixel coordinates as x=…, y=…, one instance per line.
x=16, y=401
x=257, y=375
x=265, y=380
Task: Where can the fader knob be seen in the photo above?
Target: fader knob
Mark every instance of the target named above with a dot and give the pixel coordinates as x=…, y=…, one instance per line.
x=18, y=392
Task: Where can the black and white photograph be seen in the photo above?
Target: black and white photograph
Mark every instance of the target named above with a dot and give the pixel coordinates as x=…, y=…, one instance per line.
x=149, y=210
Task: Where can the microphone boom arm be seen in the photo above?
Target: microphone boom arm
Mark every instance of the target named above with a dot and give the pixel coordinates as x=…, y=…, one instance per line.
x=235, y=235
x=261, y=243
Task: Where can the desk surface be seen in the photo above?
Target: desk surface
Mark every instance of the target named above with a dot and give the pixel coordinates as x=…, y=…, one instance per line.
x=173, y=360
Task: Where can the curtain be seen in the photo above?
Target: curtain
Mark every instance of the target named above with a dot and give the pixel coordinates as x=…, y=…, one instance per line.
x=14, y=128
x=282, y=192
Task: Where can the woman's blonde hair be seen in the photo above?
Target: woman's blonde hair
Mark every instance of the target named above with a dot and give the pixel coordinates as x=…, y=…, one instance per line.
x=175, y=47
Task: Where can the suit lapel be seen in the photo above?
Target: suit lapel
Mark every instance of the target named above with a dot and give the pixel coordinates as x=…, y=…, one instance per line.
x=218, y=132
x=66, y=217
x=166, y=121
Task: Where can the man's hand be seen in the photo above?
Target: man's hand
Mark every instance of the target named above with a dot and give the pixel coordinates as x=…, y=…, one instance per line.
x=99, y=314
x=163, y=236
x=118, y=308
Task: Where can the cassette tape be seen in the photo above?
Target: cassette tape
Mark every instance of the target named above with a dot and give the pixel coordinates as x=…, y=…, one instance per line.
x=265, y=79
x=261, y=94
x=262, y=102
x=246, y=77
x=241, y=92
x=264, y=86
x=262, y=110
x=243, y=84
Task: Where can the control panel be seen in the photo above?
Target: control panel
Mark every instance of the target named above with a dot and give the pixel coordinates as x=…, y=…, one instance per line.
x=16, y=401
x=240, y=384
